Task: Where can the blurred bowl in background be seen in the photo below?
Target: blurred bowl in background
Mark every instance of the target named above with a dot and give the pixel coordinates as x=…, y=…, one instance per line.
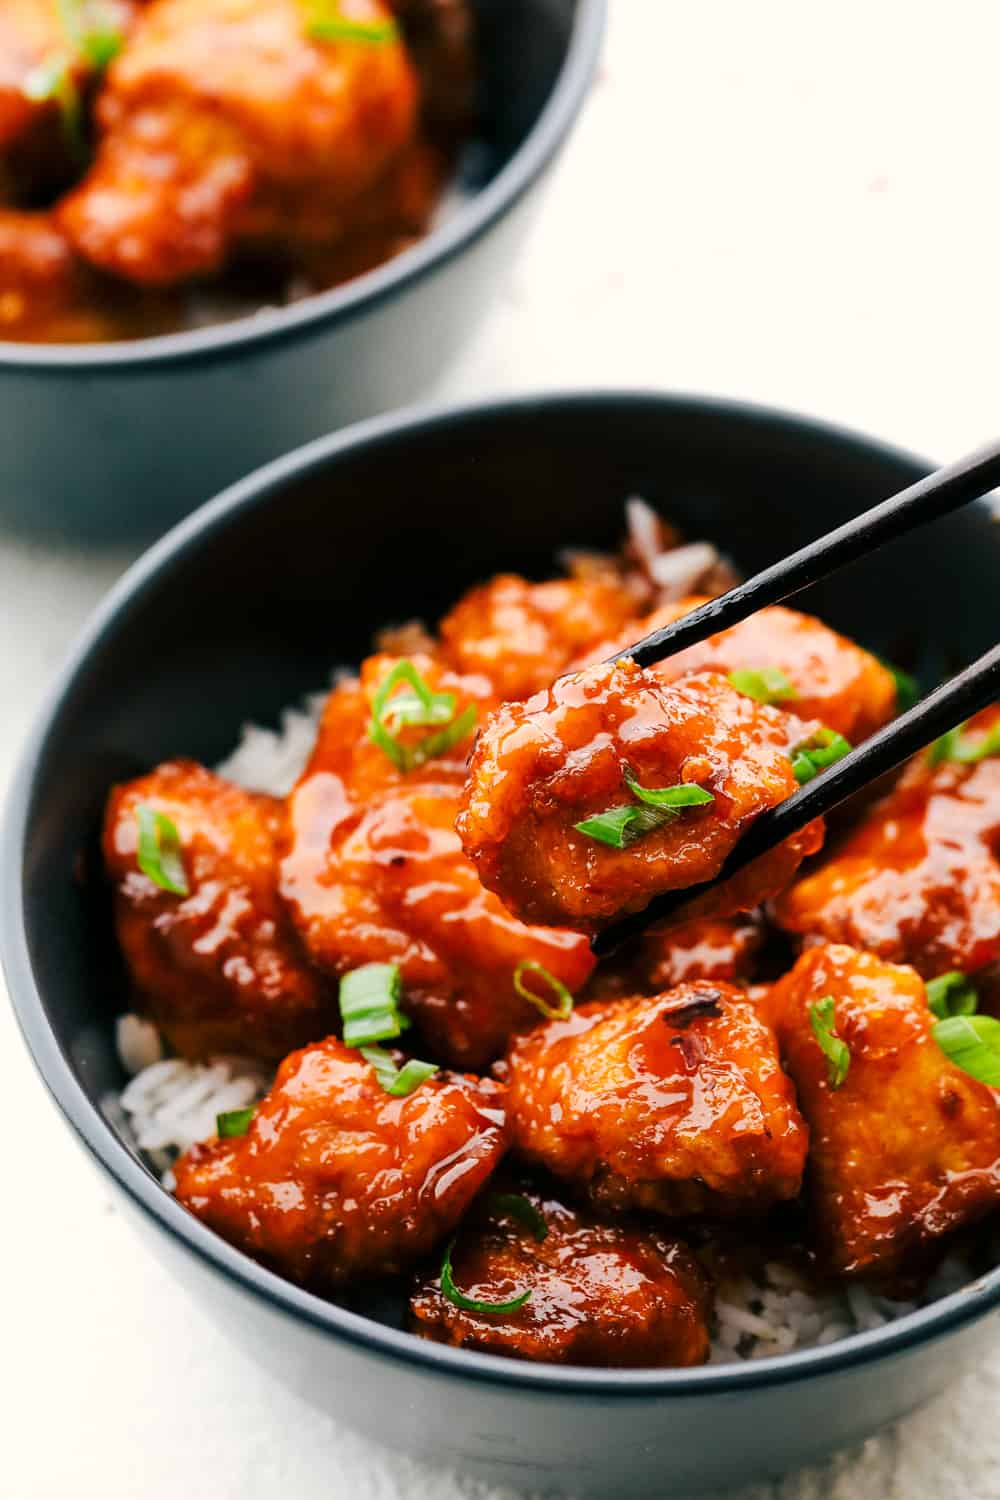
x=120, y=439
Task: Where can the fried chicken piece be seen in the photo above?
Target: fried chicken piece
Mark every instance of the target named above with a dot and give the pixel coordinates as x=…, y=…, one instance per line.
x=907, y=1148
x=225, y=123
x=664, y=956
x=541, y=768
x=221, y=968
x=521, y=635
x=337, y=1180
x=41, y=285
x=612, y=1295
x=375, y=872
x=674, y=1103
x=832, y=679
x=918, y=881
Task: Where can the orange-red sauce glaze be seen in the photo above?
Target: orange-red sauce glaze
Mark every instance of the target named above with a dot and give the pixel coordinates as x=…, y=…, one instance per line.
x=336, y=1179
x=601, y=1294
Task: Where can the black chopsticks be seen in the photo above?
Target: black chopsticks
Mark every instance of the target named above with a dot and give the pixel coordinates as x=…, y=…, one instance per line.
x=950, y=704
x=937, y=495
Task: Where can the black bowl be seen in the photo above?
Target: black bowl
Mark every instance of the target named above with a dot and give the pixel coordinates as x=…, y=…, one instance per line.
x=243, y=608
x=123, y=438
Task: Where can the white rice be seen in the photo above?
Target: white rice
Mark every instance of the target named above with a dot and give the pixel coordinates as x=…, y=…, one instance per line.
x=169, y=1105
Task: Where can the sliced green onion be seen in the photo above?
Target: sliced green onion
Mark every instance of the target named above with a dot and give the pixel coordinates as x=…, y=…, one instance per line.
x=420, y=708
x=564, y=1000
x=101, y=47
x=621, y=826
x=234, y=1122
x=907, y=686
x=327, y=24
x=95, y=43
x=519, y=1207
x=822, y=749
x=159, y=851
x=823, y=1020
x=973, y=1044
x=471, y=1304
x=952, y=995
x=397, y=1081
x=956, y=745
x=369, y=1004
x=673, y=797
x=765, y=684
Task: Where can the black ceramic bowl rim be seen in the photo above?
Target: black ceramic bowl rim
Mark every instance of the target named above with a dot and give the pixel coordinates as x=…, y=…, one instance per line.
x=97, y=1135
x=326, y=309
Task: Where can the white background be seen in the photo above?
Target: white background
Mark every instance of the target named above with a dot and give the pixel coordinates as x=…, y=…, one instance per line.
x=792, y=202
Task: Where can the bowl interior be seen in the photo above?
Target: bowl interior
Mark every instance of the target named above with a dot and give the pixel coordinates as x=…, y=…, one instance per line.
x=250, y=604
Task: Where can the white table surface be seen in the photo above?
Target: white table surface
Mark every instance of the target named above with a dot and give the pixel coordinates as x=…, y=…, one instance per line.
x=789, y=202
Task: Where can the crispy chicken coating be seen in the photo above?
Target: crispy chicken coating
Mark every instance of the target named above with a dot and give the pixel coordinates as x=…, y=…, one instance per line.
x=336, y=1180
x=542, y=767
x=907, y=1148
x=221, y=968
x=224, y=123
x=375, y=873
x=664, y=956
x=521, y=635
x=918, y=881
x=601, y=1294
x=674, y=1103
x=832, y=679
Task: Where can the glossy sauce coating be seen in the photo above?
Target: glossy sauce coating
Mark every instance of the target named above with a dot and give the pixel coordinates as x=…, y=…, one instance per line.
x=220, y=969
x=918, y=881
x=835, y=681
x=521, y=635
x=224, y=121
x=336, y=1180
x=601, y=1294
x=541, y=767
x=675, y=1103
x=375, y=873
x=664, y=956
x=907, y=1149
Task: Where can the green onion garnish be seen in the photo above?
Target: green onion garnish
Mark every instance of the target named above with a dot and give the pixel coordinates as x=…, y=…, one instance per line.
x=392, y=711
x=159, y=852
x=93, y=42
x=765, y=684
x=397, y=1081
x=823, y=749
x=340, y=29
x=621, y=826
x=952, y=995
x=973, y=1044
x=369, y=1004
x=822, y=1019
x=234, y=1122
x=369, y=1008
x=471, y=1304
x=326, y=22
x=519, y=1207
x=907, y=686
x=564, y=1000
x=956, y=745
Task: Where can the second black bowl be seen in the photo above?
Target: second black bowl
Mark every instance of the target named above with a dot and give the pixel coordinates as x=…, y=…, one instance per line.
x=245, y=607
x=123, y=438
